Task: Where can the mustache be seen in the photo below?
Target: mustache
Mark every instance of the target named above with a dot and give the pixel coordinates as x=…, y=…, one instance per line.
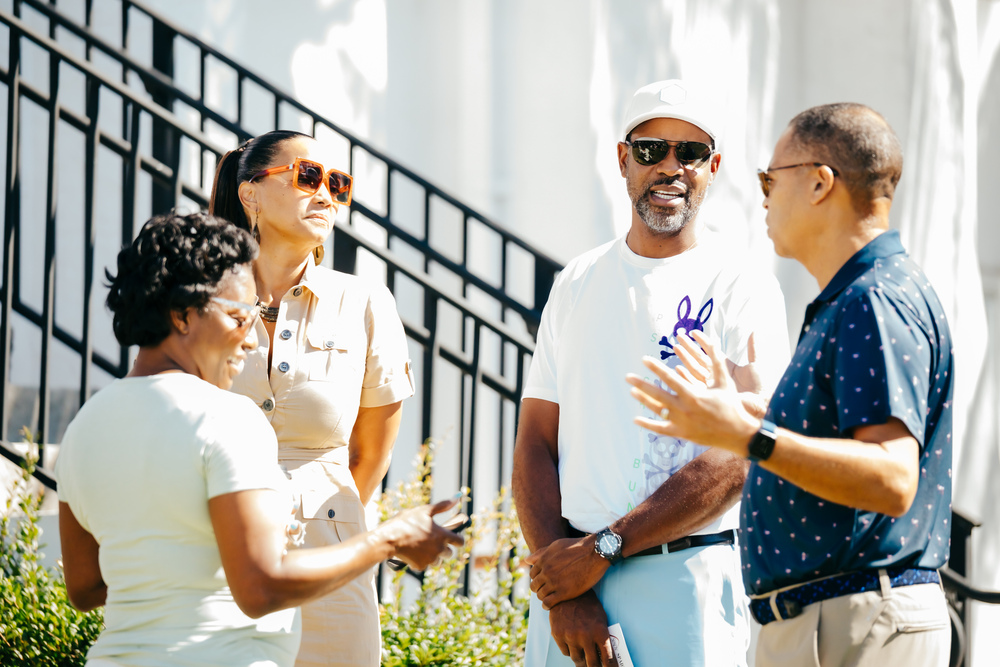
x=667, y=180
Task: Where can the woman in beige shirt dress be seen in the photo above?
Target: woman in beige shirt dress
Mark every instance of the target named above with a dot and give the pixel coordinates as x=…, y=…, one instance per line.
x=330, y=372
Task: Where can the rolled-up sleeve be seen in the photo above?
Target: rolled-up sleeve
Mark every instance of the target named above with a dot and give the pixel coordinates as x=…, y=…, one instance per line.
x=388, y=372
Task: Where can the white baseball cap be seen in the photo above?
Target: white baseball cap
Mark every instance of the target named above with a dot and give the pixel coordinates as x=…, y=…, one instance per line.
x=674, y=98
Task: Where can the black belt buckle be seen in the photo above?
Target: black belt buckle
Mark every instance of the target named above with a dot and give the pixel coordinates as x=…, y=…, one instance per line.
x=791, y=608
x=679, y=545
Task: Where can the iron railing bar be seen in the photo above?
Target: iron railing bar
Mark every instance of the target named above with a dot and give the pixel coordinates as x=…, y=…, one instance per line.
x=427, y=283
x=965, y=587
x=467, y=365
x=468, y=470
x=43, y=475
x=202, y=59
x=130, y=191
x=149, y=77
x=66, y=338
x=240, y=77
x=53, y=25
x=49, y=257
x=431, y=254
x=89, y=234
x=427, y=232
x=153, y=109
x=12, y=214
x=497, y=383
x=419, y=334
x=432, y=350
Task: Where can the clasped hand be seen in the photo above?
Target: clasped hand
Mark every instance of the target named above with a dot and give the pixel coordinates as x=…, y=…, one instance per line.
x=565, y=569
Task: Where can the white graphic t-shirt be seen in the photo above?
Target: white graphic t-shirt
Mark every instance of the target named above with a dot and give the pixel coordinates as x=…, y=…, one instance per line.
x=609, y=308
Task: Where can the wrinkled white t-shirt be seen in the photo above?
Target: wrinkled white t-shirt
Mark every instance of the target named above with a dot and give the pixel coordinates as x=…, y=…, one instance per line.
x=137, y=466
x=610, y=307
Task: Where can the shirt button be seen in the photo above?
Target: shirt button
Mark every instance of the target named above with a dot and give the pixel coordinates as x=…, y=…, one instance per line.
x=297, y=291
x=268, y=405
x=331, y=514
x=286, y=334
x=283, y=367
x=328, y=344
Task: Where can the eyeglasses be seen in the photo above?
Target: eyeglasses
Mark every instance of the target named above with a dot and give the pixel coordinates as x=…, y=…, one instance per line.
x=252, y=312
x=765, y=180
x=648, y=152
x=309, y=176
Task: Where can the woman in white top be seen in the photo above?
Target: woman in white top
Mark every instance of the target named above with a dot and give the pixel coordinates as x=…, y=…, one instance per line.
x=331, y=371
x=173, y=511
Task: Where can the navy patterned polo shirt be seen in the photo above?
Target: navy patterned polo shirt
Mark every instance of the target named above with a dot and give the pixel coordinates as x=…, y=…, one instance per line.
x=875, y=344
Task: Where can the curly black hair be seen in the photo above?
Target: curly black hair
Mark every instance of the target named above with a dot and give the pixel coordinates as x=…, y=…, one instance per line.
x=175, y=263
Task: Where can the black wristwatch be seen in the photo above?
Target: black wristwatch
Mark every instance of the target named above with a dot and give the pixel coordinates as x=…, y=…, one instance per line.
x=762, y=442
x=608, y=545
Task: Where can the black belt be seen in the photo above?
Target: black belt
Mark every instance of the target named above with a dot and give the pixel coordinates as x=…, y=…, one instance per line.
x=689, y=542
x=789, y=603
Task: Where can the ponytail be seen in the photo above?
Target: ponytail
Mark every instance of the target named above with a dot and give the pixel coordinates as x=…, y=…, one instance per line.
x=225, y=201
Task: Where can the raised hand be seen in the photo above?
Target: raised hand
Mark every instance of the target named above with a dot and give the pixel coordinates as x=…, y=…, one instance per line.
x=416, y=538
x=710, y=413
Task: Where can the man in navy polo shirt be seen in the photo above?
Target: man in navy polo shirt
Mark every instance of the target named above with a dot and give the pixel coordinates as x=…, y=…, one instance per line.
x=847, y=506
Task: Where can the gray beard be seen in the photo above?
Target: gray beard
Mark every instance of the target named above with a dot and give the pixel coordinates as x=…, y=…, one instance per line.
x=663, y=221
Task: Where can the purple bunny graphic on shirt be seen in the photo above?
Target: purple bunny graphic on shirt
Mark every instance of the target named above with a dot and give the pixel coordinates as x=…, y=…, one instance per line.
x=685, y=325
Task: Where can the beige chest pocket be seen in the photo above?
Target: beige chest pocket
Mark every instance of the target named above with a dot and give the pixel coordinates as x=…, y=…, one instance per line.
x=335, y=358
x=331, y=519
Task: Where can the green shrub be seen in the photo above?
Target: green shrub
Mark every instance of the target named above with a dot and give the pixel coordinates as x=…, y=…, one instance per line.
x=442, y=626
x=38, y=626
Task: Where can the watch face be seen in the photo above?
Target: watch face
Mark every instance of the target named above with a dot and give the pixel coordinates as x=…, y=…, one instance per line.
x=608, y=544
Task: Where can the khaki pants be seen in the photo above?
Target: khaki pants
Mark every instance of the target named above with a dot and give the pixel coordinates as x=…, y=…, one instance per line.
x=908, y=626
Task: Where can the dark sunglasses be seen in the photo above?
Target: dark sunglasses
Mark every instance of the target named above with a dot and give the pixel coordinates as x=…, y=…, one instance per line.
x=309, y=176
x=648, y=152
x=765, y=180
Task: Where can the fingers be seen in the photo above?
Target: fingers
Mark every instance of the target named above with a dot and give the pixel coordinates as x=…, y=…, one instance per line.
x=689, y=376
x=443, y=506
x=693, y=358
x=453, y=538
x=656, y=406
x=751, y=349
x=721, y=377
x=651, y=390
x=667, y=376
x=608, y=654
x=458, y=522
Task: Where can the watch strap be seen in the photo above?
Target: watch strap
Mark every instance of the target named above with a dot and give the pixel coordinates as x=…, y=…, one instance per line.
x=762, y=442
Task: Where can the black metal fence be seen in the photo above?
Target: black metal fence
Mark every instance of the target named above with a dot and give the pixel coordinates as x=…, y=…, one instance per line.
x=108, y=132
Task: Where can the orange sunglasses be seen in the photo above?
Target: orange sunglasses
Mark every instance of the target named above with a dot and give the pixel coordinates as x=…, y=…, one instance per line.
x=308, y=176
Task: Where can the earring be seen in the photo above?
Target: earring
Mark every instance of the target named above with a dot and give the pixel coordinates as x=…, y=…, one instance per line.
x=255, y=231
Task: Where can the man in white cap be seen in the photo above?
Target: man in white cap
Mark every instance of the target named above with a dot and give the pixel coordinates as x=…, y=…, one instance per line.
x=628, y=528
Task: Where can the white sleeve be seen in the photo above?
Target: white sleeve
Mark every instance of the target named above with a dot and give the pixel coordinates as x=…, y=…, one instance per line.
x=541, y=382
x=242, y=452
